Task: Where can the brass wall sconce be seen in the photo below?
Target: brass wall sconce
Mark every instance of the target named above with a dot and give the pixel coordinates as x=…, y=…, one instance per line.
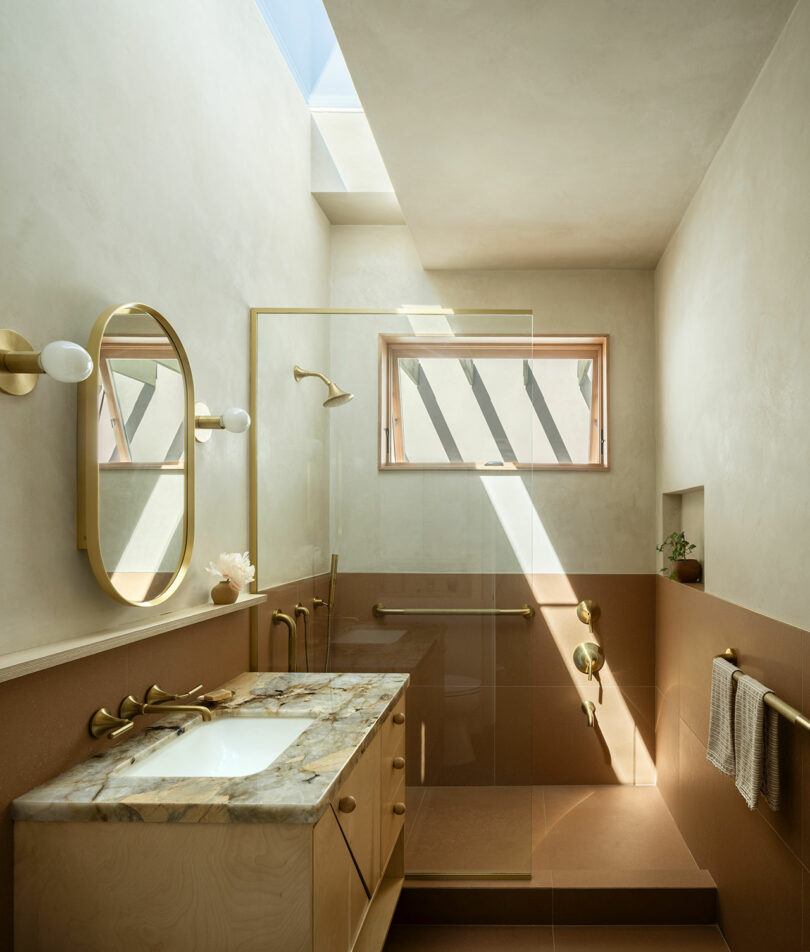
x=335, y=398
x=234, y=420
x=21, y=365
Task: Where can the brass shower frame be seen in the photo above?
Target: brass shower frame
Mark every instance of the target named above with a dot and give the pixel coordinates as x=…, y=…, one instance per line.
x=253, y=468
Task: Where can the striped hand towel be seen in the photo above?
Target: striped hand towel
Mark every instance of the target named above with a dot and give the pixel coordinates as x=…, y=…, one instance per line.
x=756, y=744
x=720, y=750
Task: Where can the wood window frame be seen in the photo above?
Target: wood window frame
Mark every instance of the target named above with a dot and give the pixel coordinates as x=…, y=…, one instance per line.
x=131, y=348
x=582, y=347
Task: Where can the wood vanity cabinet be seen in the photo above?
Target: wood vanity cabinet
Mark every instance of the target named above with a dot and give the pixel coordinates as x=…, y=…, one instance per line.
x=258, y=887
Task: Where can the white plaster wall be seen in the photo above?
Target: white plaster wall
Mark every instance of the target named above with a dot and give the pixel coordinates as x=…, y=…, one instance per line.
x=733, y=337
x=158, y=152
x=293, y=449
x=571, y=522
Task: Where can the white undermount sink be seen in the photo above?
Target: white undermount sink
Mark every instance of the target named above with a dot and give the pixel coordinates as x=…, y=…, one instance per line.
x=224, y=747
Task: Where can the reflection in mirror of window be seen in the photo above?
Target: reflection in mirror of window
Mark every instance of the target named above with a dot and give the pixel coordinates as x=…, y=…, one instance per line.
x=141, y=448
x=457, y=402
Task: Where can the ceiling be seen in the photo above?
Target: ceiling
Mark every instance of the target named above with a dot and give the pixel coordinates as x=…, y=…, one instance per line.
x=550, y=133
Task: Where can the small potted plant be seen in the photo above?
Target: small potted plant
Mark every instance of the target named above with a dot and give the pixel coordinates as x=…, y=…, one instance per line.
x=676, y=547
x=235, y=570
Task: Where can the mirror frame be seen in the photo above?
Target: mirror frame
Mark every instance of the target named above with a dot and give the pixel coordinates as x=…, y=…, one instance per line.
x=87, y=485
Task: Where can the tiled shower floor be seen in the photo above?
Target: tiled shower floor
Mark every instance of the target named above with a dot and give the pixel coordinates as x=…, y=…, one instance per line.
x=576, y=834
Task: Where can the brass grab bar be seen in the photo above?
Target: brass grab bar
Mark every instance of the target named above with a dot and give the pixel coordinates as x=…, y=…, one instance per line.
x=773, y=702
x=525, y=611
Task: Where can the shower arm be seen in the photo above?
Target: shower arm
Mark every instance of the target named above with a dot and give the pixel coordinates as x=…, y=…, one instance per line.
x=300, y=374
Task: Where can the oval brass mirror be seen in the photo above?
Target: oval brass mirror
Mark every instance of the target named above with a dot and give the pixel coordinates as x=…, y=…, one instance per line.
x=136, y=456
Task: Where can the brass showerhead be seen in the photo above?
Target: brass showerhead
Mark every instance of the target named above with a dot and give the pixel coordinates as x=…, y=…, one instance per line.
x=335, y=398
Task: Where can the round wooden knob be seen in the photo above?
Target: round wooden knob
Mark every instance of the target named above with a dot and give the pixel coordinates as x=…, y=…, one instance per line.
x=347, y=804
x=399, y=808
x=398, y=763
x=399, y=717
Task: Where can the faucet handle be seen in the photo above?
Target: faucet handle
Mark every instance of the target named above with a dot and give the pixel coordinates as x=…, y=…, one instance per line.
x=156, y=695
x=102, y=722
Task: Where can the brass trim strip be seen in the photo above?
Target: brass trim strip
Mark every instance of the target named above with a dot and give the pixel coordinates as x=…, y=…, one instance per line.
x=525, y=611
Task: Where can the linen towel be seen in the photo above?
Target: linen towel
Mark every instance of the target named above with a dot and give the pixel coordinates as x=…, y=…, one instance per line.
x=756, y=744
x=720, y=749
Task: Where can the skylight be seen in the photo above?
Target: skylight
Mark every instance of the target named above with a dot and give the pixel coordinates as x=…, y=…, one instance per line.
x=303, y=33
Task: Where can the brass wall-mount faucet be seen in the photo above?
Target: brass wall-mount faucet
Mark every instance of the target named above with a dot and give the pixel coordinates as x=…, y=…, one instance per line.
x=279, y=618
x=155, y=702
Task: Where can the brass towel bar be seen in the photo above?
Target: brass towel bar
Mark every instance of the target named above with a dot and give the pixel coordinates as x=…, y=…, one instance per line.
x=773, y=702
x=525, y=611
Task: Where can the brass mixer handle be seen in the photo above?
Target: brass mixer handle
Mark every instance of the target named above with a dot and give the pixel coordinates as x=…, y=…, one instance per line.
x=156, y=695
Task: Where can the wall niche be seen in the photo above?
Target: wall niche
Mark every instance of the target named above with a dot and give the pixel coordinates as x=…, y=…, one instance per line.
x=683, y=510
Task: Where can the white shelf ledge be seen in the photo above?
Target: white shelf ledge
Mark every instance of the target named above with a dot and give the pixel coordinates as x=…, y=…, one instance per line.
x=17, y=664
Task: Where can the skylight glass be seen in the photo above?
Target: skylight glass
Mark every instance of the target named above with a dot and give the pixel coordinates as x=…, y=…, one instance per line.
x=303, y=33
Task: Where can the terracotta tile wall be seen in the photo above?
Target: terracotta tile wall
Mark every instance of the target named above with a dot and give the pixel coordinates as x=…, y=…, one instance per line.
x=760, y=860
x=44, y=715
x=273, y=639
x=529, y=726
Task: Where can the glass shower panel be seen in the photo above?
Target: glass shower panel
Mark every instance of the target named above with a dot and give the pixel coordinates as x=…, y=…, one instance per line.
x=441, y=540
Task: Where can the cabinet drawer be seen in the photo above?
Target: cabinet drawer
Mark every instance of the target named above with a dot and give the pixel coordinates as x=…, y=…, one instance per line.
x=393, y=731
x=356, y=806
x=391, y=821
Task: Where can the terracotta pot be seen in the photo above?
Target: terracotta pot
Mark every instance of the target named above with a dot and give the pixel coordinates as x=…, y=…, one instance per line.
x=223, y=594
x=687, y=570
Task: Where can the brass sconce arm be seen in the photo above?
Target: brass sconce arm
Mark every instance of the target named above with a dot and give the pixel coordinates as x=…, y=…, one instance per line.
x=21, y=365
x=234, y=420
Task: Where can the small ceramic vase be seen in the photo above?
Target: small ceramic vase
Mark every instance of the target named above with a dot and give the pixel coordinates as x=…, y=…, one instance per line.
x=223, y=594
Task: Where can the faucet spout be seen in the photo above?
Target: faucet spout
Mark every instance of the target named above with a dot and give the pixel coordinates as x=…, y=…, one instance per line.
x=590, y=709
x=166, y=708
x=279, y=618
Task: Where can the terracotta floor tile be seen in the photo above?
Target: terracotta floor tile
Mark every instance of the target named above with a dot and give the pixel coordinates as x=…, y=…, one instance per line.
x=638, y=939
x=470, y=939
x=472, y=830
x=612, y=827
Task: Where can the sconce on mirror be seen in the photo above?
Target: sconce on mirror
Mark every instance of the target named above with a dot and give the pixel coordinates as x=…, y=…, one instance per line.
x=136, y=456
x=234, y=420
x=21, y=365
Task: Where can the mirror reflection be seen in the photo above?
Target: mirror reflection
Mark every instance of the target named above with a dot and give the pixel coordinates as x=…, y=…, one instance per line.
x=141, y=456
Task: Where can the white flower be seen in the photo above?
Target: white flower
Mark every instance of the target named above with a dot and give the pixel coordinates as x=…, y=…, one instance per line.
x=234, y=567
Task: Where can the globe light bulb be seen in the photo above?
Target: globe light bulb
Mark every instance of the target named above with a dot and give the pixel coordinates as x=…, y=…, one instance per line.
x=235, y=420
x=65, y=361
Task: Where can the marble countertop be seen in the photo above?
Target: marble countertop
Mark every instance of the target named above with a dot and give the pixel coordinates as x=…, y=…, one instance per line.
x=295, y=788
